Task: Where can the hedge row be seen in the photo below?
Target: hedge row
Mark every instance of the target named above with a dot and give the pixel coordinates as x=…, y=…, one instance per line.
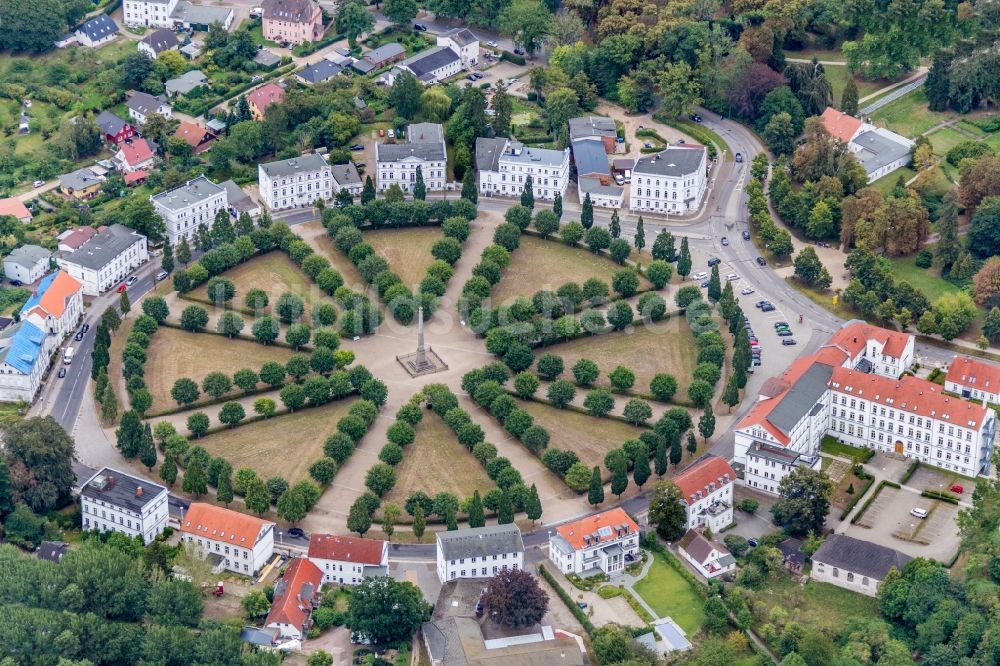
x=577, y=612
x=868, y=503
x=868, y=481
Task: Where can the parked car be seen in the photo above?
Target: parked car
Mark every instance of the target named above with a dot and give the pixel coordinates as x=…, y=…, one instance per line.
x=918, y=512
x=131, y=280
x=86, y=327
x=788, y=342
x=16, y=283
x=784, y=332
x=122, y=287
x=714, y=261
x=38, y=183
x=767, y=308
x=752, y=542
x=296, y=532
x=62, y=372
x=704, y=285
x=761, y=261
x=390, y=133
x=746, y=291
x=732, y=277
x=739, y=157
x=957, y=489
x=780, y=324
x=161, y=276
x=356, y=147
x=492, y=43
x=420, y=27
x=471, y=77
x=696, y=118
x=518, y=51
x=700, y=275
x=724, y=241
x=746, y=235
x=761, y=304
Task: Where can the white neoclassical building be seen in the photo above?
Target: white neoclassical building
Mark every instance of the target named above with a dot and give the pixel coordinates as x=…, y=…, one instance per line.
x=245, y=543
x=295, y=183
x=707, y=487
x=504, y=164
x=348, y=560
x=396, y=163
x=149, y=13
x=671, y=181
x=602, y=543
x=106, y=259
x=114, y=501
x=478, y=552
x=187, y=206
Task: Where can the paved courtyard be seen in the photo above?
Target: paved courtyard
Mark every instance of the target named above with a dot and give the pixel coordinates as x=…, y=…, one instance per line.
x=888, y=522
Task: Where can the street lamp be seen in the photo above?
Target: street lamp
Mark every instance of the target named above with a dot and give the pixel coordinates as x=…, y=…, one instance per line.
x=280, y=542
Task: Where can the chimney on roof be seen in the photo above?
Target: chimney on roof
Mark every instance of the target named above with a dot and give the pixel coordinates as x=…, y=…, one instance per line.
x=138, y=491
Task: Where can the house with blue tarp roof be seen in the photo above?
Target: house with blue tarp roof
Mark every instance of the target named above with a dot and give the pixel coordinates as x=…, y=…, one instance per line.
x=23, y=361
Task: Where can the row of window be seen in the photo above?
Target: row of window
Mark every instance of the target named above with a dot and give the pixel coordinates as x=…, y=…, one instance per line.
x=902, y=416
x=850, y=576
x=850, y=429
x=207, y=545
x=520, y=179
x=533, y=171
x=312, y=175
x=482, y=571
x=655, y=204
x=411, y=176
x=658, y=182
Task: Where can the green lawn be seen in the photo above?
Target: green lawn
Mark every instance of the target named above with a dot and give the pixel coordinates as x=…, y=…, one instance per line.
x=945, y=139
x=669, y=594
x=886, y=183
x=909, y=115
x=926, y=280
x=838, y=75
x=971, y=127
x=833, y=447
x=819, y=606
x=994, y=142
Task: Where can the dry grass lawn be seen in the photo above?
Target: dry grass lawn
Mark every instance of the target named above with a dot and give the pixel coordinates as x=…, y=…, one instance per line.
x=590, y=438
x=282, y=445
x=315, y=234
x=541, y=264
x=435, y=462
x=273, y=272
x=408, y=251
x=668, y=346
x=174, y=353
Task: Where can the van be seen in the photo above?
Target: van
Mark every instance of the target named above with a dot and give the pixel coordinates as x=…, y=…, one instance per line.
x=68, y=355
x=619, y=179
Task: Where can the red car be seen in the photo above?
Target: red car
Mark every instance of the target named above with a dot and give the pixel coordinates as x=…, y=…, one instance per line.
x=122, y=287
x=957, y=489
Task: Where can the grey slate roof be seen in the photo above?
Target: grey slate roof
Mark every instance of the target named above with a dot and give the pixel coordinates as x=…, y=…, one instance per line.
x=346, y=174
x=191, y=192
x=79, y=179
x=461, y=36
x=120, y=489
x=517, y=153
x=778, y=454
x=585, y=126
x=480, y=541
x=319, y=72
x=803, y=394
x=878, y=150
x=859, y=557
x=234, y=193
x=145, y=103
x=161, y=40
x=51, y=551
x=294, y=165
x=424, y=133
x=265, y=58
x=110, y=123
x=362, y=66
x=200, y=14
x=590, y=157
x=186, y=82
x=27, y=256
x=98, y=28
x=594, y=186
x=295, y=11
x=675, y=162
x=103, y=247
x=384, y=52
x=428, y=61
x=488, y=153
x=424, y=141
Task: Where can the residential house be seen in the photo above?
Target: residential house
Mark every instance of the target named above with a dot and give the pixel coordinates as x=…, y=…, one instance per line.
x=347, y=560
x=385, y=55
x=879, y=150
x=709, y=559
x=134, y=156
x=14, y=207
x=503, y=164
x=296, y=594
x=292, y=21
x=106, y=259
x=23, y=361
x=81, y=184
x=55, y=307
x=52, y=551
x=264, y=639
x=849, y=390
x=201, y=17
x=396, y=163
x=456, y=635
x=973, y=379
x=185, y=83
x=792, y=557
x=141, y=105
x=266, y=59
x=295, y=183
x=187, y=206
x=593, y=173
x=318, y=72
x=114, y=129
x=672, y=181
x=73, y=239
x=149, y=13
x=478, y=552
x=605, y=542
x=239, y=201
x=595, y=127
x=263, y=97
x=245, y=542
x=363, y=67
x=191, y=50
x=196, y=136
x=98, y=31
x=27, y=263
x=855, y=565
x=429, y=66
x=346, y=177
x=113, y=501
x=340, y=56
x=707, y=488
x=463, y=42
x=158, y=41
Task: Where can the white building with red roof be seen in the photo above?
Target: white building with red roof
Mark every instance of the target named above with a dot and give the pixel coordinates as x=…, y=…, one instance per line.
x=296, y=594
x=134, y=156
x=605, y=542
x=974, y=379
x=348, y=560
x=244, y=542
x=707, y=487
x=854, y=389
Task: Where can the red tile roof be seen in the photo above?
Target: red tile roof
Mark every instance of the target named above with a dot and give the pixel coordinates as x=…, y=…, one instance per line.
x=697, y=477
x=574, y=532
x=136, y=176
x=14, y=207
x=192, y=133
x=78, y=236
x=53, y=301
x=853, y=338
x=267, y=94
x=975, y=374
x=840, y=125
x=295, y=593
x=346, y=548
x=758, y=415
x=137, y=152
x=219, y=524
x=909, y=394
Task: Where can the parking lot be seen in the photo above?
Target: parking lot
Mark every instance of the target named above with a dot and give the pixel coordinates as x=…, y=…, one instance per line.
x=888, y=521
x=938, y=480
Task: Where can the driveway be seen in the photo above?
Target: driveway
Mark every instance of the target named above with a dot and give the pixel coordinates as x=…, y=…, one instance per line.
x=888, y=522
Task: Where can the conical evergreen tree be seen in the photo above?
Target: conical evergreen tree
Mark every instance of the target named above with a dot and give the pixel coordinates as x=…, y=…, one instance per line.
x=184, y=251
x=167, y=263
x=640, y=235
x=528, y=193
x=469, y=191
x=419, y=188
x=505, y=510
x=587, y=216
x=684, y=260
x=168, y=469
x=595, y=494
x=615, y=228
x=849, y=98
x=661, y=457
x=477, y=517
x=557, y=205
x=533, y=505
x=224, y=489
x=147, y=452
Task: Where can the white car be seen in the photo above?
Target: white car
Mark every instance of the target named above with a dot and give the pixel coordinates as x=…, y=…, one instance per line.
x=732, y=277
x=492, y=43
x=918, y=512
x=700, y=275
x=746, y=291
x=38, y=183
x=391, y=134
x=511, y=82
